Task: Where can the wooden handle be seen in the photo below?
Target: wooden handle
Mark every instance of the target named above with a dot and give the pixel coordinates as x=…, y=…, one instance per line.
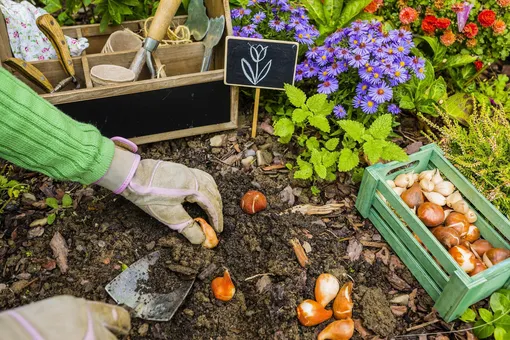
x=50, y=27
x=164, y=15
x=30, y=72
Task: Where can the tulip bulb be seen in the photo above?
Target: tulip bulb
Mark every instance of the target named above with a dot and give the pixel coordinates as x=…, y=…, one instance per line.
x=223, y=288
x=471, y=216
x=430, y=214
x=458, y=221
x=413, y=196
x=495, y=255
x=311, y=313
x=326, y=288
x=391, y=183
x=427, y=174
x=211, y=240
x=472, y=234
x=435, y=198
x=464, y=258
x=338, y=330
x=448, y=237
x=404, y=180
x=342, y=306
x=455, y=197
x=444, y=188
x=253, y=202
x=399, y=190
x=479, y=267
x=436, y=179
x=447, y=212
x=461, y=206
x=426, y=185
x=480, y=247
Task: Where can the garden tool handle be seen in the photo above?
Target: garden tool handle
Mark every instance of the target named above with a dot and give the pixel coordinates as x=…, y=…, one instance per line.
x=164, y=15
x=50, y=27
x=30, y=72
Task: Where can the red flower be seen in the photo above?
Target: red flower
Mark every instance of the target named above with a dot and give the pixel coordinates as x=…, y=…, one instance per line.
x=471, y=30
x=442, y=23
x=478, y=65
x=373, y=6
x=428, y=25
x=486, y=18
x=408, y=15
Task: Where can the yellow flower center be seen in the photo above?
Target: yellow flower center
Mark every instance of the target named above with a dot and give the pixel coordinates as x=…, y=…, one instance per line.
x=402, y=63
x=390, y=51
x=307, y=35
x=364, y=87
x=397, y=73
x=373, y=40
x=370, y=69
x=400, y=48
x=376, y=75
x=380, y=91
x=370, y=103
x=355, y=42
x=324, y=57
x=325, y=73
x=301, y=36
x=420, y=70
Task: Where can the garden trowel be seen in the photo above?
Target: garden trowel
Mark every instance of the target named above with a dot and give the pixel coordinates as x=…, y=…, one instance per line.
x=198, y=21
x=133, y=288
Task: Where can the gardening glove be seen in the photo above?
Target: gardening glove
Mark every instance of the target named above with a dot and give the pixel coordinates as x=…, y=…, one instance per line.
x=64, y=317
x=160, y=188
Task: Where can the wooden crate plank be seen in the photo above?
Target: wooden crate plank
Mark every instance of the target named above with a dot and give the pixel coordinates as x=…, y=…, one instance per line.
x=366, y=191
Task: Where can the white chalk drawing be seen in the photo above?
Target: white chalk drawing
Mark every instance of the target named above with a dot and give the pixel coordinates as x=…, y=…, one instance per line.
x=258, y=54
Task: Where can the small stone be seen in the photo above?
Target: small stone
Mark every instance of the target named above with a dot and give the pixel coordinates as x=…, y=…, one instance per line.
x=181, y=269
x=40, y=222
x=218, y=140
x=143, y=329
x=2, y=286
x=264, y=157
x=24, y=276
x=202, y=298
x=35, y=232
x=216, y=150
x=207, y=272
x=101, y=244
x=80, y=248
x=202, y=321
x=249, y=152
x=29, y=196
x=18, y=286
x=149, y=246
x=188, y=312
x=401, y=299
x=307, y=247
x=246, y=162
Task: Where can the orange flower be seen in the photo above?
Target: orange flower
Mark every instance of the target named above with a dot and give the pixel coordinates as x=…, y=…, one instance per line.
x=373, y=6
x=503, y=3
x=471, y=30
x=498, y=27
x=408, y=15
x=448, y=38
x=471, y=43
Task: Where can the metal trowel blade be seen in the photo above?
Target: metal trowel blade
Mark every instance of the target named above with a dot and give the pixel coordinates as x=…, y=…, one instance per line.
x=127, y=288
x=198, y=21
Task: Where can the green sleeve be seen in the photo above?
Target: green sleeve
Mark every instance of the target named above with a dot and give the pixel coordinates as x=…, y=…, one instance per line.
x=37, y=136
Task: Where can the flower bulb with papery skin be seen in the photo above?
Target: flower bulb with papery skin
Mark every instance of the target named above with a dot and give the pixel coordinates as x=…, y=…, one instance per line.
x=338, y=330
x=464, y=258
x=223, y=288
x=326, y=288
x=311, y=313
x=342, y=306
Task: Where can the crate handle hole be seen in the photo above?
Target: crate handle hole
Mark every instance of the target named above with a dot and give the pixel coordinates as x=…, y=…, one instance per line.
x=404, y=167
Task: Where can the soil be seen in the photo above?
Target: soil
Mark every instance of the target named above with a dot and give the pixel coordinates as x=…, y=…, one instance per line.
x=104, y=231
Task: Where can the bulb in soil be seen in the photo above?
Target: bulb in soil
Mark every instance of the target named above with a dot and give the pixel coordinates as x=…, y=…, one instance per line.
x=223, y=288
x=311, y=313
x=326, y=288
x=211, y=240
x=253, y=202
x=342, y=306
x=338, y=330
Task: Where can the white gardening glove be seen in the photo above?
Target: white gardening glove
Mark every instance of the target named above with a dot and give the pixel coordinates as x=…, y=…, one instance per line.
x=160, y=188
x=64, y=317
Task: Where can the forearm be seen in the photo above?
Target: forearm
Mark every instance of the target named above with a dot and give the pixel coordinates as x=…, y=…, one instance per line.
x=37, y=136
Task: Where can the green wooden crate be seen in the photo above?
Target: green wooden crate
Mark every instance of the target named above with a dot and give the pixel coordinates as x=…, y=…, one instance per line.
x=451, y=288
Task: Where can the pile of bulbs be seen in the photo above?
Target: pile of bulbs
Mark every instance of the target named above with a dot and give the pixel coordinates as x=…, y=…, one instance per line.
x=314, y=312
x=440, y=207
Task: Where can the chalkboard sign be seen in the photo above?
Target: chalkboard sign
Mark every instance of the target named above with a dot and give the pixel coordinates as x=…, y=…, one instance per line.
x=267, y=64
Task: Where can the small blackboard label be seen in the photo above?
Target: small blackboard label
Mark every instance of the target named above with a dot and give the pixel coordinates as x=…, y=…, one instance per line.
x=267, y=64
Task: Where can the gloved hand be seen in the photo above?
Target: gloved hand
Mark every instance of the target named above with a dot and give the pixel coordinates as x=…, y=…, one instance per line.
x=160, y=188
x=64, y=317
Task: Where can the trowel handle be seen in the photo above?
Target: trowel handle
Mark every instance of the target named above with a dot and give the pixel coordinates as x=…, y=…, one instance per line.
x=164, y=15
x=30, y=72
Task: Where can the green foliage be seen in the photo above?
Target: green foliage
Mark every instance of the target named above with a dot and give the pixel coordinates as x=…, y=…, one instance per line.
x=52, y=202
x=495, y=89
x=481, y=150
x=495, y=321
x=10, y=189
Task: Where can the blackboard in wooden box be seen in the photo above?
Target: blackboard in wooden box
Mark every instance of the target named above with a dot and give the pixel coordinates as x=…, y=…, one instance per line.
x=183, y=102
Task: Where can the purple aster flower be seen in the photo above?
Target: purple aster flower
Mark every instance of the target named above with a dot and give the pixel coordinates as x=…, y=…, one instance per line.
x=356, y=102
x=298, y=11
x=385, y=38
x=328, y=86
x=322, y=56
x=296, y=23
x=402, y=47
x=417, y=63
x=311, y=71
x=420, y=73
x=300, y=72
x=254, y=2
x=365, y=72
x=379, y=52
x=369, y=106
x=336, y=37
x=324, y=75
x=303, y=37
x=339, y=112
x=376, y=77
x=400, y=75
x=277, y=24
x=403, y=61
x=342, y=53
x=358, y=60
x=388, y=67
x=313, y=53
x=248, y=29
x=256, y=35
x=394, y=109
x=390, y=52
x=335, y=69
x=235, y=13
x=236, y=30
x=243, y=12
x=362, y=88
x=257, y=18
x=404, y=35
x=284, y=7
x=380, y=93
x=364, y=46
x=358, y=27
x=463, y=16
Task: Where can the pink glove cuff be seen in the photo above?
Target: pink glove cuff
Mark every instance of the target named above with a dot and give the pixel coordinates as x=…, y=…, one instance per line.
x=125, y=143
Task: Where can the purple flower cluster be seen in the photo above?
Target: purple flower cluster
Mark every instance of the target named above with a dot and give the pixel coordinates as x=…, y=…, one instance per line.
x=381, y=60
x=274, y=19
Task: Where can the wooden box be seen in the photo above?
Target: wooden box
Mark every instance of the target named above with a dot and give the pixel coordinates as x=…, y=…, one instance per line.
x=183, y=102
x=451, y=288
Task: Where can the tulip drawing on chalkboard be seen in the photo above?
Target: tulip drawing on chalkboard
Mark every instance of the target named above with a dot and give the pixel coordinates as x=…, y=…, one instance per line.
x=257, y=54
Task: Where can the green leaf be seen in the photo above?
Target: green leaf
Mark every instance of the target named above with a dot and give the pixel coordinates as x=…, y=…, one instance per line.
x=316, y=102
x=52, y=6
x=332, y=143
x=353, y=129
x=499, y=333
x=284, y=128
x=315, y=10
x=427, y=106
x=51, y=218
x=315, y=190
x=503, y=321
x=459, y=106
x=300, y=115
x=348, y=160
x=52, y=202
x=331, y=176
x=67, y=201
x=486, y=315
x=425, y=83
x=438, y=48
x=468, y=316
x=484, y=330
x=296, y=96
x=326, y=109
x=437, y=90
x=406, y=103
x=312, y=143
x=105, y=21
x=305, y=169
x=381, y=127
x=393, y=152
x=3, y=181
x=321, y=170
x=333, y=10
x=351, y=9
x=499, y=302
x=329, y=158
x=373, y=149
x=459, y=60
x=320, y=122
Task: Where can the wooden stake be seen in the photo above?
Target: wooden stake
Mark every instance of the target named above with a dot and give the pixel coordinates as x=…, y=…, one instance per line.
x=255, y=113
